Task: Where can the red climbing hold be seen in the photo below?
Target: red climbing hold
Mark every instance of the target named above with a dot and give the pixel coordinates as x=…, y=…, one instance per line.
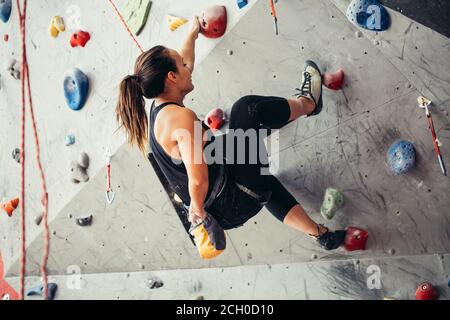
x=334, y=81
x=10, y=206
x=355, y=239
x=6, y=37
x=426, y=291
x=6, y=291
x=79, y=39
x=214, y=119
x=213, y=22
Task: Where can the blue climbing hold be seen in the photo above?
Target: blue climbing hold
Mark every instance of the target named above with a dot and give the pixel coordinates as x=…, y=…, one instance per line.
x=39, y=290
x=368, y=14
x=401, y=156
x=76, y=87
x=242, y=3
x=5, y=10
x=70, y=139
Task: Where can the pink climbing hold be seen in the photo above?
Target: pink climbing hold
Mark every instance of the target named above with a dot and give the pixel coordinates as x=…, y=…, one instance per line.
x=79, y=39
x=334, y=81
x=355, y=239
x=214, y=119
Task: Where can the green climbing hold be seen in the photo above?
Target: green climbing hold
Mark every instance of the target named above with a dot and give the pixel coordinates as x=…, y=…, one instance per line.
x=332, y=201
x=136, y=13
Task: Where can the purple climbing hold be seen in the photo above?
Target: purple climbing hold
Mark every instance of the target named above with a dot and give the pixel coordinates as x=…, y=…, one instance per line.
x=368, y=14
x=5, y=10
x=39, y=290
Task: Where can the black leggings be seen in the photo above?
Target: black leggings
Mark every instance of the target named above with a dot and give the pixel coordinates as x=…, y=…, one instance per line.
x=255, y=112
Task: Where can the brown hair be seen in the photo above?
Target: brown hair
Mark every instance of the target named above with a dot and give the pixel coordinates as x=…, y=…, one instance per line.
x=150, y=71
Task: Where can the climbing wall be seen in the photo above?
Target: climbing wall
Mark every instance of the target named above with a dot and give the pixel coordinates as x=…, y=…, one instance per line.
x=345, y=147
x=105, y=60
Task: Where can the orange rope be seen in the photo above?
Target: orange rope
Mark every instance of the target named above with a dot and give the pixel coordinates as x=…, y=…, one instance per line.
x=126, y=26
x=26, y=76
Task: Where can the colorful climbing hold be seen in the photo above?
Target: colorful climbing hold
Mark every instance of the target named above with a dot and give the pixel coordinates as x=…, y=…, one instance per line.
x=401, y=156
x=334, y=80
x=84, y=222
x=214, y=119
x=241, y=3
x=76, y=87
x=10, y=206
x=213, y=22
x=355, y=239
x=56, y=26
x=16, y=155
x=175, y=22
x=39, y=290
x=426, y=291
x=368, y=14
x=70, y=139
x=79, y=38
x=332, y=201
x=5, y=10
x=136, y=14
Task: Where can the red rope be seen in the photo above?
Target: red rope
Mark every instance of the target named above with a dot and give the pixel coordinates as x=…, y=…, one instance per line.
x=126, y=26
x=26, y=76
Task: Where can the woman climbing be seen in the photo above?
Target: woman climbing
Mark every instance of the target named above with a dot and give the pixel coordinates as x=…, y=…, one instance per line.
x=232, y=192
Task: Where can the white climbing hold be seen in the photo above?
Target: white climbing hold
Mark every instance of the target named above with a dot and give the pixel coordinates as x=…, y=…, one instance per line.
x=230, y=52
x=314, y=256
x=358, y=34
x=391, y=251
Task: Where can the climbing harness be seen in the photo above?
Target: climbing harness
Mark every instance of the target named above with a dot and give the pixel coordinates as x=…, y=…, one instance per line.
x=109, y=193
x=424, y=103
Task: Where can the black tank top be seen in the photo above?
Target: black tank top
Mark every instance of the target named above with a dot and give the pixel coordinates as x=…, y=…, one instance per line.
x=174, y=169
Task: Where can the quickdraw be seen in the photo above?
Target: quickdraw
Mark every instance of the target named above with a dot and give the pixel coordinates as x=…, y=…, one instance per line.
x=109, y=193
x=424, y=103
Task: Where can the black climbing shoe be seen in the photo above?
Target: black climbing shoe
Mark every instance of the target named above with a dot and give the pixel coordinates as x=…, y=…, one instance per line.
x=330, y=240
x=311, y=87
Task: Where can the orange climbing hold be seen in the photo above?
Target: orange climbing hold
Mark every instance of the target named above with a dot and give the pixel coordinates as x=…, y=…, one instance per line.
x=10, y=206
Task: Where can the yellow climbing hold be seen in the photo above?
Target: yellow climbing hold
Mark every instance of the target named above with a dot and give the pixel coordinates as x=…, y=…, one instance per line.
x=56, y=26
x=175, y=22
